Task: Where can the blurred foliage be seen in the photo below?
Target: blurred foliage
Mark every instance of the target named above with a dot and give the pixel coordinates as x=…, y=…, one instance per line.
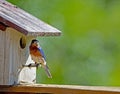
x=88, y=52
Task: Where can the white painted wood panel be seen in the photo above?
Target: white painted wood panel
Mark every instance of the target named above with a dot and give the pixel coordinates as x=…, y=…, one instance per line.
x=8, y=58
x=15, y=57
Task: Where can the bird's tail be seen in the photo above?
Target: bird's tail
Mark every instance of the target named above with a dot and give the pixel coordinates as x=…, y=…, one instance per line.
x=47, y=71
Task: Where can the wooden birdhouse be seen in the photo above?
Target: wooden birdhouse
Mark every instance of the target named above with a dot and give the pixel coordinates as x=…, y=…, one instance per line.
x=17, y=29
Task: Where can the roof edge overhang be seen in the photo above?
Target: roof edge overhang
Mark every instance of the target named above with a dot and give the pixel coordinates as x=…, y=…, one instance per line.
x=23, y=22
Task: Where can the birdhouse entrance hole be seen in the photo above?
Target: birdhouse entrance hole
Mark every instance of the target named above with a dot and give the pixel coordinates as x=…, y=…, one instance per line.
x=22, y=42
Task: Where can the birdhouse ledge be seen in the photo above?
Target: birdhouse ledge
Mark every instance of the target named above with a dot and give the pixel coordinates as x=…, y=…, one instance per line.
x=14, y=17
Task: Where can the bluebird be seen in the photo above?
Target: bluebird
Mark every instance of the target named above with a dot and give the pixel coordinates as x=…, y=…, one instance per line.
x=37, y=55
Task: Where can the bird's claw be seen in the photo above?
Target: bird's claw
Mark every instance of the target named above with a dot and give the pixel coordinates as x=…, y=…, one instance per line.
x=37, y=65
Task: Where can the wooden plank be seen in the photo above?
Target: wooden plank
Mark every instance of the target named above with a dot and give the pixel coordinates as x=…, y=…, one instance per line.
x=24, y=22
x=11, y=56
x=2, y=42
x=60, y=89
x=7, y=62
x=16, y=59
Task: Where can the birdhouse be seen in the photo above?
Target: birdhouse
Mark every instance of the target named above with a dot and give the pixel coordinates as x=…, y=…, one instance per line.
x=17, y=29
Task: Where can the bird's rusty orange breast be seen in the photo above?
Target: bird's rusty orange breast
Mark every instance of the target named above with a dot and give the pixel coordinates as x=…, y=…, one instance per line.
x=34, y=51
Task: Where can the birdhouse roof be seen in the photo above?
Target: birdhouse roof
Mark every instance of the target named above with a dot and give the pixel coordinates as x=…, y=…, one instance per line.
x=14, y=17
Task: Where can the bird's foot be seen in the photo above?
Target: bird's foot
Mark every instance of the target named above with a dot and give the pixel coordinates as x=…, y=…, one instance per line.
x=37, y=65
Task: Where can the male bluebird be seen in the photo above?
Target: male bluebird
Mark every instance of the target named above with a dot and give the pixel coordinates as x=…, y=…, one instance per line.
x=38, y=56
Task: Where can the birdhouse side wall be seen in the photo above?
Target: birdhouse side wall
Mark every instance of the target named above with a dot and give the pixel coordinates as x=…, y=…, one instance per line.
x=12, y=56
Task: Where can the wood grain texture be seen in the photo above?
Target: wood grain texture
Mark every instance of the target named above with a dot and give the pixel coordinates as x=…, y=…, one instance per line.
x=12, y=57
x=2, y=42
x=23, y=22
x=8, y=54
x=60, y=89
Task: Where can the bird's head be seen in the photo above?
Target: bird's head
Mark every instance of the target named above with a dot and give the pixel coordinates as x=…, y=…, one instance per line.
x=35, y=42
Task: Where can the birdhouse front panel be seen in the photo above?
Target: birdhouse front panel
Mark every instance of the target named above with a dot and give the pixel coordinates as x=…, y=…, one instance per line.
x=14, y=52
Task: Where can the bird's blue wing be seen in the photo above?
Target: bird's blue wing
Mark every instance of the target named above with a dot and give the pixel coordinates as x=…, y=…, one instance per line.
x=42, y=52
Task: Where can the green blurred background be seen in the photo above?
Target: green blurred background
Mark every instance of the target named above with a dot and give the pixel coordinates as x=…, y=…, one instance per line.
x=88, y=52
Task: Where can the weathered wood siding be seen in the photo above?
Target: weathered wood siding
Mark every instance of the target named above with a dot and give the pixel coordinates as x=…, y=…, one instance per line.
x=2, y=36
x=12, y=57
x=24, y=22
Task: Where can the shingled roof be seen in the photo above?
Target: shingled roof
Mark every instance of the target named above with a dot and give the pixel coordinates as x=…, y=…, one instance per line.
x=23, y=22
